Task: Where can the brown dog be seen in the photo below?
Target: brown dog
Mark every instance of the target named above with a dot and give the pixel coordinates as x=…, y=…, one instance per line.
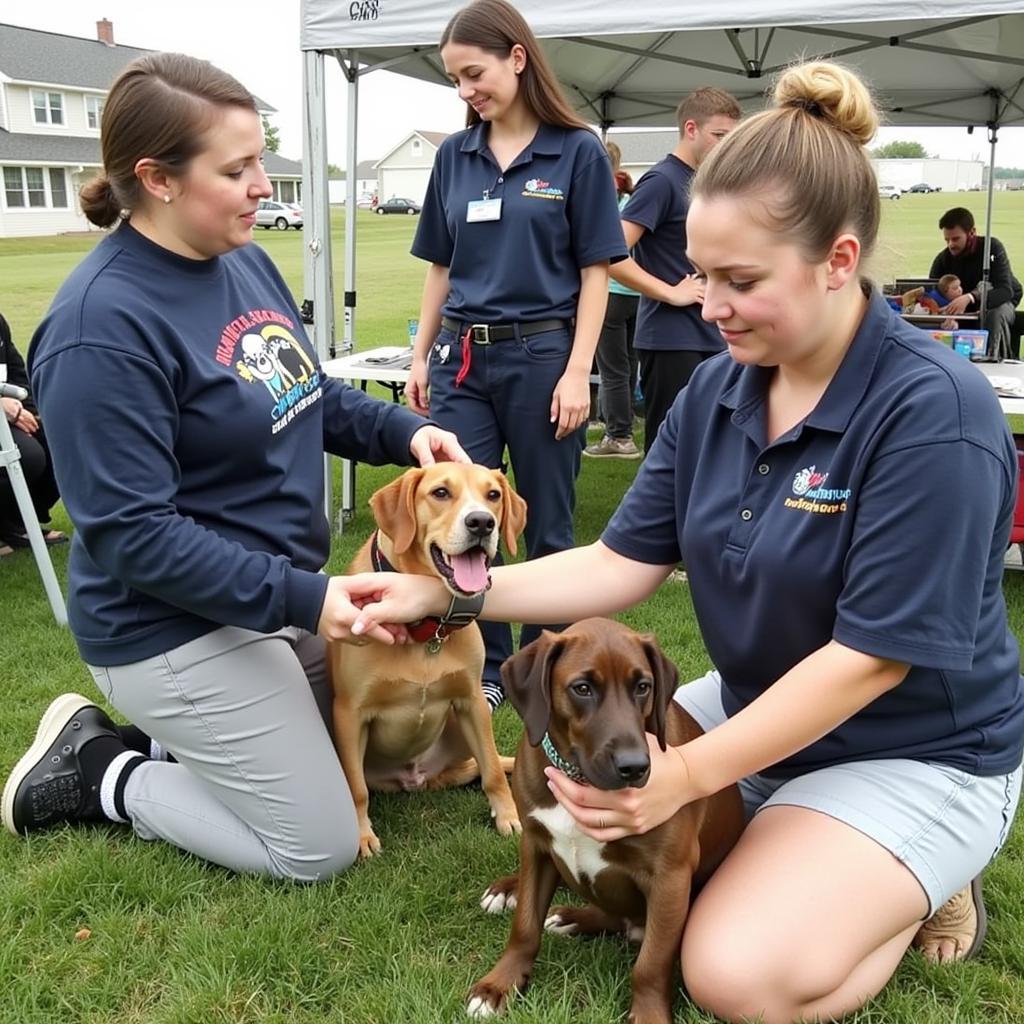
x=591, y=694
x=413, y=716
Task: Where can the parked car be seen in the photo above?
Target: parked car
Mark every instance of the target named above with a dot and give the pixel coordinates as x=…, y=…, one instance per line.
x=394, y=205
x=365, y=201
x=923, y=186
x=888, y=192
x=271, y=214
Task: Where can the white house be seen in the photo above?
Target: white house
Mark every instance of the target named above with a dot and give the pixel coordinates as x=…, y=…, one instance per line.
x=405, y=169
x=52, y=91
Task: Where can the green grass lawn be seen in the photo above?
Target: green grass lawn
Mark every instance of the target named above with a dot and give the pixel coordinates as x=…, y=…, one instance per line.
x=175, y=941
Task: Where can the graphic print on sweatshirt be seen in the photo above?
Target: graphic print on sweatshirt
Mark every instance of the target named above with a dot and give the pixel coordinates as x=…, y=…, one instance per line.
x=264, y=351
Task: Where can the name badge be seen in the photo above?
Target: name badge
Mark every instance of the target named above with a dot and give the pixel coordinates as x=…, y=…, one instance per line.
x=483, y=209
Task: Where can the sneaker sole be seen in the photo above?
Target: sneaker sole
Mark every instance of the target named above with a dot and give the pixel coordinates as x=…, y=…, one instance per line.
x=610, y=455
x=54, y=719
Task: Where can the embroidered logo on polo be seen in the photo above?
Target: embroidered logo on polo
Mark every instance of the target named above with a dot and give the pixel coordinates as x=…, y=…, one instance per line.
x=812, y=496
x=536, y=188
x=261, y=346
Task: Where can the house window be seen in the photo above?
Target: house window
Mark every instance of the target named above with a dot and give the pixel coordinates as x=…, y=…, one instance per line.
x=36, y=186
x=13, y=187
x=286, y=191
x=47, y=107
x=27, y=187
x=58, y=188
x=93, y=111
x=417, y=147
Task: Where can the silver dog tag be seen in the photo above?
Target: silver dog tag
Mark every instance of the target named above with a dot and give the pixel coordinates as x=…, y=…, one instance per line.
x=434, y=645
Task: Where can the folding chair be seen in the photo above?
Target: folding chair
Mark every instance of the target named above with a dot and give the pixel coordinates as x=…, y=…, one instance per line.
x=10, y=459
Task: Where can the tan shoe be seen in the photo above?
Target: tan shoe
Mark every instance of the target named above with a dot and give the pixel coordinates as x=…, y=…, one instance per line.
x=957, y=929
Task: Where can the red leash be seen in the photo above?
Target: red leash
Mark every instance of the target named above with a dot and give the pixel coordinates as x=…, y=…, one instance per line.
x=467, y=357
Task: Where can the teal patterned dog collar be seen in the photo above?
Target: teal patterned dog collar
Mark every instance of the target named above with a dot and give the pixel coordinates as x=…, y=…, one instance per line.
x=565, y=767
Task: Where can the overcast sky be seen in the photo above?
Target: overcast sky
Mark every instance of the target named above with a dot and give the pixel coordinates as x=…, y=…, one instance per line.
x=258, y=42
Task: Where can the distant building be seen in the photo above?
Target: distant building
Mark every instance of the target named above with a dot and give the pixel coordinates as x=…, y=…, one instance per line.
x=947, y=175
x=52, y=91
x=641, y=150
x=366, y=184
x=404, y=170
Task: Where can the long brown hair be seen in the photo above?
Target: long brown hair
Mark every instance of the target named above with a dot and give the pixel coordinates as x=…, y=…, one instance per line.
x=495, y=27
x=159, y=107
x=805, y=160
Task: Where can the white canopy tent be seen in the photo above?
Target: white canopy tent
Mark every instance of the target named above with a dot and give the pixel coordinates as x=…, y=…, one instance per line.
x=941, y=62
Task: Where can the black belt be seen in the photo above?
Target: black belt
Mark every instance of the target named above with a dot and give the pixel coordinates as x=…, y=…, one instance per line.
x=486, y=334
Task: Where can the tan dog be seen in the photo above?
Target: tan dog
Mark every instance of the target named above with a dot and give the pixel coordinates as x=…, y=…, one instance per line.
x=414, y=716
x=589, y=695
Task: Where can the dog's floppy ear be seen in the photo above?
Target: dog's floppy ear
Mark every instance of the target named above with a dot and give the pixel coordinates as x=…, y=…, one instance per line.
x=513, y=516
x=526, y=677
x=394, y=509
x=666, y=682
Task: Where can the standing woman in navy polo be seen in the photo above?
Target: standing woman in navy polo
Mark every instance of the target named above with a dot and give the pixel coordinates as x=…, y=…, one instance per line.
x=519, y=224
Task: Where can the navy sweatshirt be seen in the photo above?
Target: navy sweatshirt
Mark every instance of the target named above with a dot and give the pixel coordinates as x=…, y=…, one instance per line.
x=188, y=415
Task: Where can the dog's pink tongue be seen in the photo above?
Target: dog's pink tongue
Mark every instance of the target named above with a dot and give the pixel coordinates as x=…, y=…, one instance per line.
x=470, y=569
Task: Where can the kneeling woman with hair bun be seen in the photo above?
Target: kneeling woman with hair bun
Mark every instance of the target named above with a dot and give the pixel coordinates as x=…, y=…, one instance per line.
x=866, y=691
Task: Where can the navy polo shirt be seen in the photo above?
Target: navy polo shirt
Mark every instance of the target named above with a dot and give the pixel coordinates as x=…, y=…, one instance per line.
x=660, y=204
x=880, y=521
x=558, y=214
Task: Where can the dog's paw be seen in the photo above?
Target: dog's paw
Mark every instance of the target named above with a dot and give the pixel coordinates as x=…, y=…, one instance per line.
x=487, y=999
x=560, y=924
x=369, y=845
x=500, y=895
x=508, y=824
x=478, y=1008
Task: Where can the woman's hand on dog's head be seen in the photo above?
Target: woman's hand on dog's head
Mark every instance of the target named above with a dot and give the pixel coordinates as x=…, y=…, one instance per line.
x=431, y=444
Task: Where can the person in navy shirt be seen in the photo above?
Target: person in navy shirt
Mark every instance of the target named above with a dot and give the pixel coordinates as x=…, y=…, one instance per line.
x=519, y=224
x=188, y=416
x=866, y=691
x=671, y=338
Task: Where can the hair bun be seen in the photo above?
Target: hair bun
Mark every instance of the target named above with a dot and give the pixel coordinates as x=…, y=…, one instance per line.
x=98, y=202
x=833, y=94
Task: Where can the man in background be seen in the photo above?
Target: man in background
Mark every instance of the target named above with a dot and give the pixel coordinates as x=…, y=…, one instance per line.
x=964, y=256
x=671, y=338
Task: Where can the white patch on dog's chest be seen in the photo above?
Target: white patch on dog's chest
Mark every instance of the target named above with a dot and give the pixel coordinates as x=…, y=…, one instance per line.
x=574, y=848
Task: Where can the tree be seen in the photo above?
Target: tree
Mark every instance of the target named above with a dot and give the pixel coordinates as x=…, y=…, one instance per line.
x=901, y=151
x=334, y=171
x=270, y=136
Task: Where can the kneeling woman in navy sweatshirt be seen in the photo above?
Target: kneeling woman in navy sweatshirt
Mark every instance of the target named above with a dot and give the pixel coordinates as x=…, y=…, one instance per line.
x=188, y=416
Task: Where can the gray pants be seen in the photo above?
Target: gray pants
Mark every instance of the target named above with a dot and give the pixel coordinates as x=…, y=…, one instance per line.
x=616, y=362
x=258, y=786
x=999, y=324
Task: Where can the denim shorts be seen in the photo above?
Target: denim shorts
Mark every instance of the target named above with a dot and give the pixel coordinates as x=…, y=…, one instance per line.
x=943, y=824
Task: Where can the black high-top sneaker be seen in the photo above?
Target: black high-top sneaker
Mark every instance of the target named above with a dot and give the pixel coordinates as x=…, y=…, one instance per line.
x=60, y=777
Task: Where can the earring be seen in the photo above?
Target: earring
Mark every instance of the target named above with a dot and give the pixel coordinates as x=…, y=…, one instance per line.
x=167, y=198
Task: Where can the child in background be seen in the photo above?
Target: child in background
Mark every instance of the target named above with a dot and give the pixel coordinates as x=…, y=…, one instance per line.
x=948, y=289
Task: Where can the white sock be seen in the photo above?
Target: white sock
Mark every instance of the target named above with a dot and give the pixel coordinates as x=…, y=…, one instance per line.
x=108, y=785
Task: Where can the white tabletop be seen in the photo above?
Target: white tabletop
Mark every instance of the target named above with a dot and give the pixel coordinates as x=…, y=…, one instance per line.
x=1008, y=380
x=388, y=365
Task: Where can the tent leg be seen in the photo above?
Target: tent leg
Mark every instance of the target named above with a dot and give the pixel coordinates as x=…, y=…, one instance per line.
x=317, y=270
x=348, y=468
